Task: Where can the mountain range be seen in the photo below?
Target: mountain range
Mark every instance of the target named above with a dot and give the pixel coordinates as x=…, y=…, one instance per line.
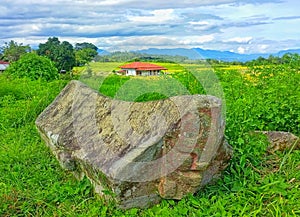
x=199, y=53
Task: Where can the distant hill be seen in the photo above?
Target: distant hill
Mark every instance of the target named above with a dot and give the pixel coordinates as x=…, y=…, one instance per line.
x=199, y=53
x=190, y=53
x=102, y=52
x=281, y=53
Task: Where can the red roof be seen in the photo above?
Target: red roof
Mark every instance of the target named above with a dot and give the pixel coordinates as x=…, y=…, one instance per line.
x=139, y=66
x=3, y=62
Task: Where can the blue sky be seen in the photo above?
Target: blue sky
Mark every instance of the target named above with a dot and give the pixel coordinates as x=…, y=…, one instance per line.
x=243, y=26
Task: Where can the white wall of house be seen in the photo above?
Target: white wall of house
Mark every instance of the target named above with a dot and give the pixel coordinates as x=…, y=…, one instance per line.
x=130, y=72
x=3, y=67
x=133, y=72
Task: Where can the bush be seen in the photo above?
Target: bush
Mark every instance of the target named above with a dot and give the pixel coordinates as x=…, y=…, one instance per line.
x=34, y=67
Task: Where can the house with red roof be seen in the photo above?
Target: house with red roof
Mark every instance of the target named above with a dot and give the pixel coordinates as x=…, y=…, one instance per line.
x=140, y=68
x=3, y=65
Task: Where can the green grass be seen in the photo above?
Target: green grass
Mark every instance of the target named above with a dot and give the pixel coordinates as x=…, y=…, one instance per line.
x=177, y=81
x=255, y=184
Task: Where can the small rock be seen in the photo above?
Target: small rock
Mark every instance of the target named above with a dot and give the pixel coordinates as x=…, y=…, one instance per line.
x=280, y=141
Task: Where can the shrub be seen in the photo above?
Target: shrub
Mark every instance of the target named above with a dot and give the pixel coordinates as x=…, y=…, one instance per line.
x=34, y=67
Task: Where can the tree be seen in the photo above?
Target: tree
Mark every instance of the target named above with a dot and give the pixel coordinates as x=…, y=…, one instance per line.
x=292, y=59
x=84, y=56
x=274, y=59
x=68, y=60
x=84, y=45
x=34, y=67
x=62, y=54
x=287, y=58
x=85, y=52
x=12, y=51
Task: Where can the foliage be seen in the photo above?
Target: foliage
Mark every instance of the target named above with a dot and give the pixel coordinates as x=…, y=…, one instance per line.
x=84, y=56
x=256, y=183
x=291, y=59
x=12, y=51
x=85, y=45
x=85, y=52
x=34, y=67
x=262, y=98
x=65, y=56
x=119, y=56
x=61, y=53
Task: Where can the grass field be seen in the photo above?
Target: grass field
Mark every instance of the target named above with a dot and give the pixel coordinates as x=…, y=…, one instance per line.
x=256, y=183
x=175, y=81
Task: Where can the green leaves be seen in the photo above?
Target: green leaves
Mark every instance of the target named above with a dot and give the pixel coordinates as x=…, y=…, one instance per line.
x=262, y=98
x=12, y=51
x=62, y=54
x=84, y=56
x=35, y=67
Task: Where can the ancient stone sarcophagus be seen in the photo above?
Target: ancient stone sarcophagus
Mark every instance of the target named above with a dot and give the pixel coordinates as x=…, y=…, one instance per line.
x=138, y=152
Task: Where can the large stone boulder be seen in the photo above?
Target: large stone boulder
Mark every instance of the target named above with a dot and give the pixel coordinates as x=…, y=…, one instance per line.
x=137, y=153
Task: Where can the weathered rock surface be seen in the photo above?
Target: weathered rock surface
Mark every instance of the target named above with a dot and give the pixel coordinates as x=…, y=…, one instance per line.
x=280, y=141
x=138, y=152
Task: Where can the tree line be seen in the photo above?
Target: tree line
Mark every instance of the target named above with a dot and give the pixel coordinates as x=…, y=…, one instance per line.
x=292, y=59
x=63, y=54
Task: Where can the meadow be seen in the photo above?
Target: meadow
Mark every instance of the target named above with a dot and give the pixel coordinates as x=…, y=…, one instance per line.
x=256, y=183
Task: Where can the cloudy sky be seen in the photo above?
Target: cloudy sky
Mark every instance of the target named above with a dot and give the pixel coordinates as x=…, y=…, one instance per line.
x=243, y=26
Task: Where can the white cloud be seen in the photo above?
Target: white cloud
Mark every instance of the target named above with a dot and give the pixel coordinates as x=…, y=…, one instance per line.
x=196, y=40
x=262, y=48
x=241, y=50
x=245, y=26
x=199, y=23
x=144, y=42
x=108, y=2
x=239, y=39
x=156, y=16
